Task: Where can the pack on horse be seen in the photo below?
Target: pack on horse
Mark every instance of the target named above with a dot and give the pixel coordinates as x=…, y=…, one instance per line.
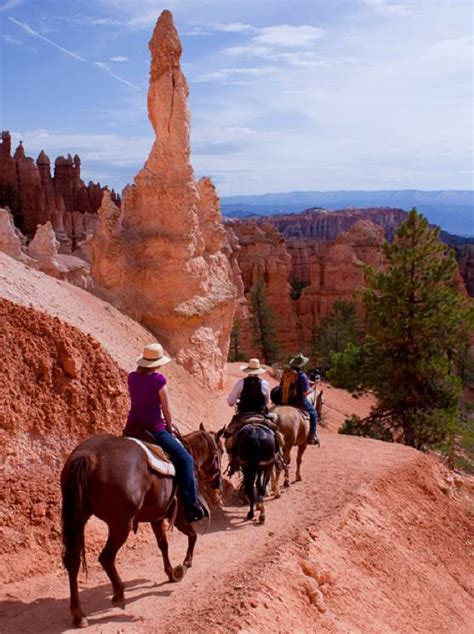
x=109, y=477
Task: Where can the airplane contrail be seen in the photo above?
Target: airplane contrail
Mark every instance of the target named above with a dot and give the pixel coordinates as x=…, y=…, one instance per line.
x=100, y=65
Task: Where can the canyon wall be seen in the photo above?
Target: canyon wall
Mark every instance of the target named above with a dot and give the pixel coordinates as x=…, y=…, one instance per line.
x=164, y=257
x=327, y=225
x=308, y=261
x=35, y=196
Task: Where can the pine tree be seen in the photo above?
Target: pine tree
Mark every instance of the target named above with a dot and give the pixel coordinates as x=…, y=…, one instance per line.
x=235, y=353
x=417, y=325
x=264, y=322
x=334, y=333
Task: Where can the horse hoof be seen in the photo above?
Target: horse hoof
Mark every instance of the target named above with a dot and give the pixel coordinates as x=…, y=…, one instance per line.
x=187, y=564
x=178, y=572
x=261, y=519
x=277, y=495
x=80, y=621
x=298, y=479
x=119, y=601
x=286, y=484
x=250, y=515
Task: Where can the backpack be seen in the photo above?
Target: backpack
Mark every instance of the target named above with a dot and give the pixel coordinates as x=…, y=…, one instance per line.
x=289, y=386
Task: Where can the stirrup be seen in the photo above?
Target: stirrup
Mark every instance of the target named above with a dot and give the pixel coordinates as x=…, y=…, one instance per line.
x=313, y=440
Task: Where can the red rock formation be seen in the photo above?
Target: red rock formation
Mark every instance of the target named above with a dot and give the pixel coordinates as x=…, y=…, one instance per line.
x=304, y=277
x=320, y=224
x=163, y=256
x=35, y=197
x=305, y=263
x=262, y=253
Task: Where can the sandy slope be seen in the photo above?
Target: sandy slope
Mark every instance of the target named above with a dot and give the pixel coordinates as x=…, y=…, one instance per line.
x=375, y=539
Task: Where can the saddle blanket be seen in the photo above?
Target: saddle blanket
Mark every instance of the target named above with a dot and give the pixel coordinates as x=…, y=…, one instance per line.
x=157, y=459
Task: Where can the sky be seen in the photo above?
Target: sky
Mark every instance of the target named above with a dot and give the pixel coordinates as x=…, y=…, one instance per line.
x=285, y=95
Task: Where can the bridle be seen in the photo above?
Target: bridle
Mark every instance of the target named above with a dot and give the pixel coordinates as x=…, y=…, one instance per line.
x=211, y=468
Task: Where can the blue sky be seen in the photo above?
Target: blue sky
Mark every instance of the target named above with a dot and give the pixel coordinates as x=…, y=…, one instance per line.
x=285, y=95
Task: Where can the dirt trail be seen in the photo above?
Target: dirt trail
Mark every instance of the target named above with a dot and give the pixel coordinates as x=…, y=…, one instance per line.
x=375, y=539
x=245, y=574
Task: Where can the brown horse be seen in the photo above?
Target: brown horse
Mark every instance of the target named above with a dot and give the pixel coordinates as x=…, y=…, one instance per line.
x=294, y=426
x=108, y=476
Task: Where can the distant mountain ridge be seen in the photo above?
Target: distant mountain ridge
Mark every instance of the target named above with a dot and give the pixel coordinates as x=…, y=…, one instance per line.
x=452, y=210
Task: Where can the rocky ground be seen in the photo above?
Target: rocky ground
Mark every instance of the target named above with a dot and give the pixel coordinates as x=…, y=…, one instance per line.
x=375, y=539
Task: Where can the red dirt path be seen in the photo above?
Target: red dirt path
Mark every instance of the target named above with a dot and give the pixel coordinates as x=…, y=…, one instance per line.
x=375, y=539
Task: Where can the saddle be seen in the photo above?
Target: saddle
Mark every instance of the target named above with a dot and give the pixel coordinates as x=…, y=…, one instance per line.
x=158, y=460
x=240, y=420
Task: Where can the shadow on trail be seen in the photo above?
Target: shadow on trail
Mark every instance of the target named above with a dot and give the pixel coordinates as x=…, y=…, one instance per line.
x=52, y=616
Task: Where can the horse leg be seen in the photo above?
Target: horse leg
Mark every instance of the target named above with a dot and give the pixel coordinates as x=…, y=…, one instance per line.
x=174, y=574
x=287, y=458
x=301, y=450
x=187, y=529
x=118, y=534
x=262, y=482
x=250, y=474
x=73, y=563
x=276, y=481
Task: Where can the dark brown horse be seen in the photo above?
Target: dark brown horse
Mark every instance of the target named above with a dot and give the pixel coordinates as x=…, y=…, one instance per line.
x=108, y=476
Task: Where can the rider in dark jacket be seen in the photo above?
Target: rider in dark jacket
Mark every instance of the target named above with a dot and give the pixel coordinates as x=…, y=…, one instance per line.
x=250, y=395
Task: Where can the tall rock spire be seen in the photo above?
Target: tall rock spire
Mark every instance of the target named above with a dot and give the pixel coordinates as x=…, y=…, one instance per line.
x=163, y=256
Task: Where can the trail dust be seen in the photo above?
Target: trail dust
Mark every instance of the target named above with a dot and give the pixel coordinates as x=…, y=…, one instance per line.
x=374, y=539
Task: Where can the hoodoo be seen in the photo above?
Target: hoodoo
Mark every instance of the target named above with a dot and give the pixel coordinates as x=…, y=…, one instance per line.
x=162, y=258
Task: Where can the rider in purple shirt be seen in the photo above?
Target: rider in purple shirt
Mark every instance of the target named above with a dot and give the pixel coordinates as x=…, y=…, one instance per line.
x=150, y=411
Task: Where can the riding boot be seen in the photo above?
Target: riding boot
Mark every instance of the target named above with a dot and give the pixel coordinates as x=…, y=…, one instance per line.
x=313, y=440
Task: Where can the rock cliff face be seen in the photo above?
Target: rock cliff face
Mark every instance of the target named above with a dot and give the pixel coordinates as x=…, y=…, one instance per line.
x=35, y=197
x=310, y=260
x=303, y=276
x=42, y=252
x=323, y=225
x=164, y=256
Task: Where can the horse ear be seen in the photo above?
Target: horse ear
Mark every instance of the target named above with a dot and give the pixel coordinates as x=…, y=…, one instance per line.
x=220, y=433
x=201, y=427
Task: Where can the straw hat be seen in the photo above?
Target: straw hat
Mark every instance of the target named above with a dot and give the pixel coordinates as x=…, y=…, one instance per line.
x=153, y=356
x=298, y=361
x=253, y=367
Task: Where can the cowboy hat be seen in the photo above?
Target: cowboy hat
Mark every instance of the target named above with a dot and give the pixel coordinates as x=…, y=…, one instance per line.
x=153, y=356
x=298, y=361
x=253, y=367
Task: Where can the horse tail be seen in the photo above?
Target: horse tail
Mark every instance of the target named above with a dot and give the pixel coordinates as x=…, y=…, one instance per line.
x=74, y=512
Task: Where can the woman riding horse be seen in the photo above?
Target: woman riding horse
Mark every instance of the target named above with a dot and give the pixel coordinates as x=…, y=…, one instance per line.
x=150, y=412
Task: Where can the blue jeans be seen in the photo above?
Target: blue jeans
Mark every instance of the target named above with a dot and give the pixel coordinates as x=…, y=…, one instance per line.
x=184, y=465
x=313, y=416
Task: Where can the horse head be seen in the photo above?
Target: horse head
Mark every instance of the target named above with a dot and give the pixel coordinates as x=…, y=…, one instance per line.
x=206, y=449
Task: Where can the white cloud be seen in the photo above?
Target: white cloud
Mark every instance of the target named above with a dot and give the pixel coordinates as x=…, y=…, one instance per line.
x=11, y=40
x=118, y=58
x=228, y=73
x=284, y=35
x=10, y=4
x=387, y=7
x=112, y=148
x=209, y=28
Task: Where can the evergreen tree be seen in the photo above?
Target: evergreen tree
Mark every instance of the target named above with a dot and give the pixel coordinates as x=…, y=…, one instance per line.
x=417, y=326
x=235, y=353
x=334, y=333
x=264, y=322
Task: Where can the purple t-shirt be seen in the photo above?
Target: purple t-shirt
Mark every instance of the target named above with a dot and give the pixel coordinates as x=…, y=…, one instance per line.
x=145, y=411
